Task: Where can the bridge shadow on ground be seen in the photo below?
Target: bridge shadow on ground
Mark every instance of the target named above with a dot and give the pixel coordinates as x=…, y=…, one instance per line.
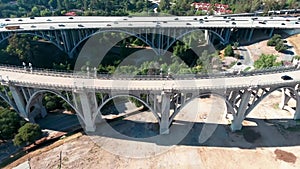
x=263, y=133
x=57, y=121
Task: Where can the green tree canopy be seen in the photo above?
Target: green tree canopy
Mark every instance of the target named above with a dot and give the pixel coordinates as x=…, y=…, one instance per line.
x=27, y=134
x=266, y=61
x=10, y=122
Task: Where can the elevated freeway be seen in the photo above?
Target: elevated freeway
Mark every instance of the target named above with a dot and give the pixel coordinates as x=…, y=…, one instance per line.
x=160, y=33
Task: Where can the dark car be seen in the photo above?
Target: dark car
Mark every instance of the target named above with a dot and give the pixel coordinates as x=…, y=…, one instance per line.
x=286, y=77
x=80, y=25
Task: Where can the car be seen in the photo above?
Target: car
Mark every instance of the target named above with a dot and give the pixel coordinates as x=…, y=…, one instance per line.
x=286, y=77
x=227, y=21
x=205, y=18
x=33, y=26
x=48, y=20
x=108, y=25
x=261, y=22
x=51, y=27
x=238, y=63
x=7, y=19
x=282, y=23
x=71, y=17
x=20, y=20
x=287, y=20
x=195, y=19
x=80, y=25
x=296, y=22
x=32, y=17
x=188, y=24
x=165, y=21
x=61, y=25
x=232, y=19
x=176, y=19
x=233, y=23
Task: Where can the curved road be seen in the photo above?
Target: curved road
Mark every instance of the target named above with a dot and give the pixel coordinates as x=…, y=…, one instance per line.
x=57, y=81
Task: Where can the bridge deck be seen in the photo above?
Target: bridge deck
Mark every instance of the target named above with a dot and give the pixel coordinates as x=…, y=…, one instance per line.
x=25, y=78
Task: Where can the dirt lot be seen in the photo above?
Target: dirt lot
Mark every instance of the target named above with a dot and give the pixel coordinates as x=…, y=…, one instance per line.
x=261, y=47
x=263, y=142
x=295, y=41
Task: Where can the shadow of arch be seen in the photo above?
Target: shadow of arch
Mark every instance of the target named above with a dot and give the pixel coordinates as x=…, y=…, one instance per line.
x=37, y=93
x=271, y=91
x=229, y=106
x=33, y=34
x=147, y=42
x=125, y=95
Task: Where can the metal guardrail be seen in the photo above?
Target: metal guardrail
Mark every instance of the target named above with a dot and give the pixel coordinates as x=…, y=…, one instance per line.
x=93, y=75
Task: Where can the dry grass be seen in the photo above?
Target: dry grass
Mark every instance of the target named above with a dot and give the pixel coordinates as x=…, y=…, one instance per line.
x=295, y=41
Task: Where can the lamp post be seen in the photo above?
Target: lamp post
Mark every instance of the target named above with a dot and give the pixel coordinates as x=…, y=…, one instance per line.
x=24, y=65
x=30, y=67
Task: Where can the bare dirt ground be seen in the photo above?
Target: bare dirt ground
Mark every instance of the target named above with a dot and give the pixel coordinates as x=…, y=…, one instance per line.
x=261, y=47
x=274, y=147
x=295, y=41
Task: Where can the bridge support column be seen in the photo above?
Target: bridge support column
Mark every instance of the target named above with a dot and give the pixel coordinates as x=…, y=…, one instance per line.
x=297, y=112
x=165, y=113
x=271, y=32
x=88, y=108
x=240, y=116
x=206, y=37
x=19, y=100
x=250, y=34
x=284, y=99
x=227, y=36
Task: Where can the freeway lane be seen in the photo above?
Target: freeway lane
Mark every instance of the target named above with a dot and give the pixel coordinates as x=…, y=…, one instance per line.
x=69, y=83
x=44, y=23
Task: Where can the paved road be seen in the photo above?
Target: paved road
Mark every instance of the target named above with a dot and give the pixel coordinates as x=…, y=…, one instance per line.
x=84, y=22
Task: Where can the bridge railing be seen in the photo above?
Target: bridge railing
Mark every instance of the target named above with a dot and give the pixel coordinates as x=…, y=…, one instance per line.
x=92, y=75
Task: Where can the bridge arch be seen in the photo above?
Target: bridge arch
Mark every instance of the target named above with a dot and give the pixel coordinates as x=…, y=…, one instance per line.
x=113, y=30
x=271, y=91
x=33, y=34
x=228, y=105
x=126, y=95
x=37, y=93
x=191, y=31
x=3, y=97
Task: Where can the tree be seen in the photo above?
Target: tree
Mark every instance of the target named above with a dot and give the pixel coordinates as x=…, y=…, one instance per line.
x=27, y=134
x=280, y=47
x=164, y=4
x=228, y=51
x=274, y=40
x=20, y=46
x=266, y=61
x=10, y=122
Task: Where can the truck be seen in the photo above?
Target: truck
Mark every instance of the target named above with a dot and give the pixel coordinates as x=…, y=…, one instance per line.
x=12, y=27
